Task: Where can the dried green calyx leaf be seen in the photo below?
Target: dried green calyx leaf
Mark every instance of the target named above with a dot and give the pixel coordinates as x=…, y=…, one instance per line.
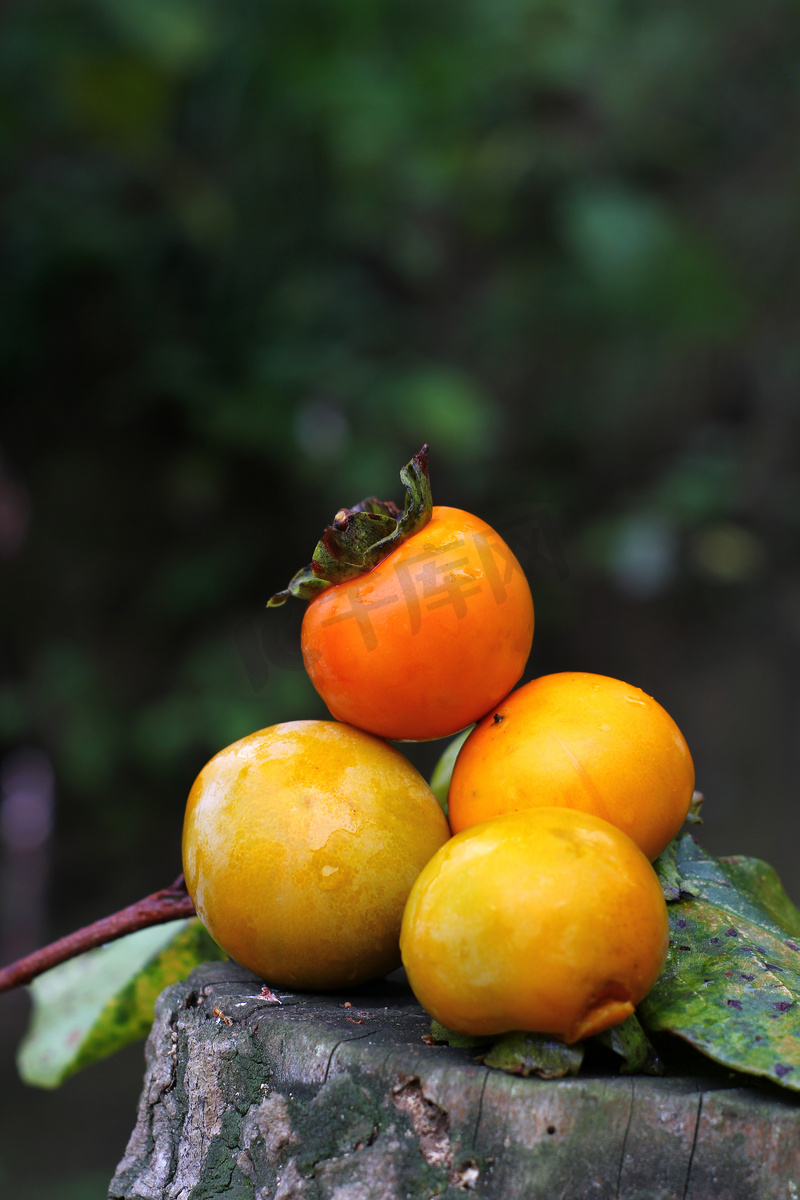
x=441, y=1035
x=693, y=817
x=361, y=537
x=534, y=1054
x=632, y=1044
x=517, y=1053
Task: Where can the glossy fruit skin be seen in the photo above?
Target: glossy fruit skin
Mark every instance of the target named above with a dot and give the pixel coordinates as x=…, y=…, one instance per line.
x=580, y=741
x=300, y=845
x=547, y=920
x=429, y=639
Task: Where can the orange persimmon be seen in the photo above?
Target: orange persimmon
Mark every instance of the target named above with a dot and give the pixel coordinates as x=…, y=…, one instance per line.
x=581, y=741
x=415, y=632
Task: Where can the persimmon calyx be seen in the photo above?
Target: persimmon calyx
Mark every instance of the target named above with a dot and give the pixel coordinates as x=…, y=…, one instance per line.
x=361, y=537
x=693, y=816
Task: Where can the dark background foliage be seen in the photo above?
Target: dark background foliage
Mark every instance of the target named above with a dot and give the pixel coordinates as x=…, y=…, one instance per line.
x=253, y=255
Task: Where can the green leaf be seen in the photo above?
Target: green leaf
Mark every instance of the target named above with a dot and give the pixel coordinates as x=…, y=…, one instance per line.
x=93, y=1005
x=761, y=881
x=731, y=983
x=666, y=867
x=534, y=1054
x=631, y=1043
x=443, y=771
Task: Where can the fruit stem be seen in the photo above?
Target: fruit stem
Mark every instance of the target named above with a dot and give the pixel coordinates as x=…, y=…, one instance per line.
x=169, y=904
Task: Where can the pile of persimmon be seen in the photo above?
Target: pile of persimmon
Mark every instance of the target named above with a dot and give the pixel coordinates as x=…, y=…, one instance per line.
x=315, y=852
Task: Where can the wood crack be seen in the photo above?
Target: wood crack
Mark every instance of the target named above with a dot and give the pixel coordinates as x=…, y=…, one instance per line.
x=480, y=1107
x=359, y=1037
x=694, y=1146
x=625, y=1138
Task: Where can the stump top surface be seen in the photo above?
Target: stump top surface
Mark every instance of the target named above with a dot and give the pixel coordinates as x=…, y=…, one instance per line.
x=337, y=1097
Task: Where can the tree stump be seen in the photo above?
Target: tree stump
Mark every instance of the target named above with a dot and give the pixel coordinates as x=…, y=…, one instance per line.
x=338, y=1097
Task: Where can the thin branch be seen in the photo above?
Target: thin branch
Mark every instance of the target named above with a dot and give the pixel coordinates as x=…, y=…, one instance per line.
x=170, y=904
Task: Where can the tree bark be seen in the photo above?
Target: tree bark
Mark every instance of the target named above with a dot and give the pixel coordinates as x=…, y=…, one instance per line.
x=337, y=1097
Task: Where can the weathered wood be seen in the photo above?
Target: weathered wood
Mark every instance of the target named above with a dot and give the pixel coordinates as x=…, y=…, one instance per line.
x=314, y=1100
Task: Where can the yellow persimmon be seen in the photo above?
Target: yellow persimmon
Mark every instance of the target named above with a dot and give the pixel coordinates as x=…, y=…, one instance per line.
x=300, y=845
x=580, y=741
x=547, y=920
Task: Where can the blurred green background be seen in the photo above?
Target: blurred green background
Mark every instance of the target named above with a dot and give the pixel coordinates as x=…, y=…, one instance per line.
x=252, y=256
